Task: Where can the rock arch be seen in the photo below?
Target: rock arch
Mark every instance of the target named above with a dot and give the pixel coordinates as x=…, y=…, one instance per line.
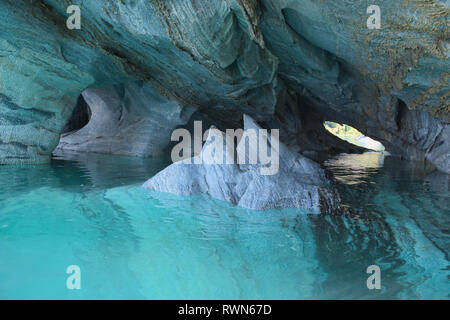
x=226, y=58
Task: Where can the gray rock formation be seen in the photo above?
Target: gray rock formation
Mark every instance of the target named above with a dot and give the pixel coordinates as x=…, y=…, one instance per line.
x=298, y=182
x=277, y=60
x=438, y=153
x=130, y=119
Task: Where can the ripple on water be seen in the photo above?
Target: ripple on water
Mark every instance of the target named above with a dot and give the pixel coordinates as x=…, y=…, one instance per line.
x=90, y=210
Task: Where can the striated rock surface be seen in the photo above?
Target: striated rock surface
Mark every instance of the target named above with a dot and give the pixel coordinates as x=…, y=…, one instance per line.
x=297, y=183
x=129, y=119
x=291, y=63
x=438, y=153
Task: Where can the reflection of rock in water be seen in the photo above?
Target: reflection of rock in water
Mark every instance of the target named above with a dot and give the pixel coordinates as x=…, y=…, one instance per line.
x=399, y=223
x=255, y=249
x=106, y=171
x=346, y=246
x=116, y=242
x=355, y=168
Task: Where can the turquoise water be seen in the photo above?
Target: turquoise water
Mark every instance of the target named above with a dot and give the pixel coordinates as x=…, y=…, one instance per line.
x=90, y=211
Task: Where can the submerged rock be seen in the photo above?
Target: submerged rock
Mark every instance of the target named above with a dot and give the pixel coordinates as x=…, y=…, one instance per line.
x=297, y=183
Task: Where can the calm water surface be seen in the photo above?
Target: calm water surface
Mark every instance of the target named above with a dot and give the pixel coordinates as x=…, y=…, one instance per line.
x=90, y=211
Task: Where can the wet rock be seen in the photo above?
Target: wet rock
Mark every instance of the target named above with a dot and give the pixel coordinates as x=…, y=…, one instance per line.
x=298, y=182
x=130, y=119
x=227, y=58
x=439, y=152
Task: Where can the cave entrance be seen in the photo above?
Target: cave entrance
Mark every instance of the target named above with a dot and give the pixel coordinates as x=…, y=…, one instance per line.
x=353, y=136
x=80, y=117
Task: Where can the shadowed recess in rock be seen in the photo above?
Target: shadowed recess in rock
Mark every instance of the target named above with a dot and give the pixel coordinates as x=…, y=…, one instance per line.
x=291, y=64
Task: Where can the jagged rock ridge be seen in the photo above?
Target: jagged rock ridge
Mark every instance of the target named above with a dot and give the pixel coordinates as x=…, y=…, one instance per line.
x=297, y=181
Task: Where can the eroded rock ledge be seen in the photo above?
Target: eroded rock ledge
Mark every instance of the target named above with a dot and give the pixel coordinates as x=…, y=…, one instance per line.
x=289, y=64
x=128, y=119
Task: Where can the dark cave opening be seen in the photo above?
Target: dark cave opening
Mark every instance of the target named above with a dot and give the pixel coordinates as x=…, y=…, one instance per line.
x=80, y=116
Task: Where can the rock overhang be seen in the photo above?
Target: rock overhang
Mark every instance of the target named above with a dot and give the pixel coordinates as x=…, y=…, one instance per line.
x=231, y=57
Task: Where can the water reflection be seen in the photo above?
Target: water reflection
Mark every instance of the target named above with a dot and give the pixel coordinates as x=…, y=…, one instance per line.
x=133, y=243
x=106, y=171
x=355, y=168
x=400, y=222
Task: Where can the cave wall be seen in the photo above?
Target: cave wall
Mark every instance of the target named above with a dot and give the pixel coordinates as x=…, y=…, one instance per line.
x=128, y=119
x=80, y=117
x=225, y=58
